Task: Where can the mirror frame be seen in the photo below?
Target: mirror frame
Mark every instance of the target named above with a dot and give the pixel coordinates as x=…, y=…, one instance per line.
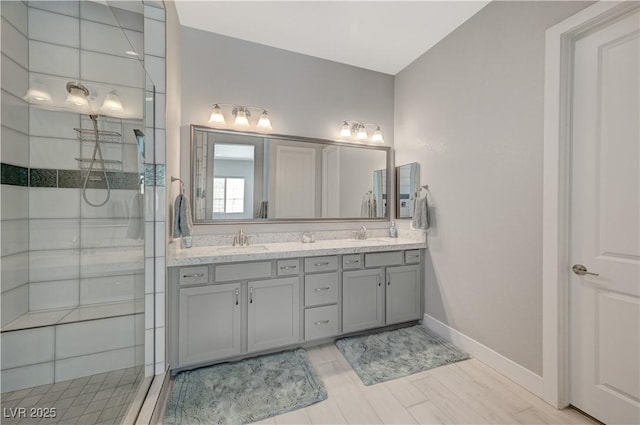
x=390, y=189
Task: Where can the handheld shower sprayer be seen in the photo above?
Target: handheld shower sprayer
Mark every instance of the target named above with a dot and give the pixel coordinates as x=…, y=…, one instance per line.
x=96, y=151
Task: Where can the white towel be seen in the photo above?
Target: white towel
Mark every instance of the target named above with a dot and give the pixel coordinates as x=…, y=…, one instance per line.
x=182, y=224
x=421, y=218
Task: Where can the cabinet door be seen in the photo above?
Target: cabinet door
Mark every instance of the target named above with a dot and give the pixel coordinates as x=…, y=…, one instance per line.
x=209, y=323
x=362, y=300
x=273, y=313
x=403, y=294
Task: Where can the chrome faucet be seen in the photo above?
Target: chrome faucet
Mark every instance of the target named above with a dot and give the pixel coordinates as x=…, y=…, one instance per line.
x=362, y=233
x=241, y=239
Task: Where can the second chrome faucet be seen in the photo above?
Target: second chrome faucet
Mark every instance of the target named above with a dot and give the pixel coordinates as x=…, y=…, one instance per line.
x=241, y=239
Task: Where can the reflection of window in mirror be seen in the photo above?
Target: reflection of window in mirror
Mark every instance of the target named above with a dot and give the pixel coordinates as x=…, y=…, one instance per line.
x=233, y=177
x=407, y=184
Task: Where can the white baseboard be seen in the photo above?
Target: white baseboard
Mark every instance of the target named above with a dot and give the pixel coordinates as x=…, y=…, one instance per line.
x=518, y=374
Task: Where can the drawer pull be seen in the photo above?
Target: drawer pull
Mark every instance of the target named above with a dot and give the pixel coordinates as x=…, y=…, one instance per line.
x=237, y=294
x=195, y=275
x=288, y=267
x=326, y=263
x=326, y=288
x=321, y=322
x=352, y=261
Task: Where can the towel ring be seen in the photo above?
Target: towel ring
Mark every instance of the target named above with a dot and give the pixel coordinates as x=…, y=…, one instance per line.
x=176, y=179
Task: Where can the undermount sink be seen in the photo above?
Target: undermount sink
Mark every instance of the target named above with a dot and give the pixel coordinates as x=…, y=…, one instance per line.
x=250, y=248
x=373, y=240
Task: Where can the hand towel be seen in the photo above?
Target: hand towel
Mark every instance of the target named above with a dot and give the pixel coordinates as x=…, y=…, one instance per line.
x=135, y=230
x=182, y=224
x=421, y=218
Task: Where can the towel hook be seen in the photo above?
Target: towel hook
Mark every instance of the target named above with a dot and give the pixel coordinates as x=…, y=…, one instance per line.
x=424, y=186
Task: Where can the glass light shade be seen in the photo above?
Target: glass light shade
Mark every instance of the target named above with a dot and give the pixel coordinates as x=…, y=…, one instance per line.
x=345, y=131
x=77, y=100
x=216, y=115
x=377, y=136
x=264, y=121
x=38, y=93
x=362, y=133
x=241, y=118
x=112, y=103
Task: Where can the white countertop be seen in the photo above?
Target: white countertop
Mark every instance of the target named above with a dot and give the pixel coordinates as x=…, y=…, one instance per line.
x=269, y=251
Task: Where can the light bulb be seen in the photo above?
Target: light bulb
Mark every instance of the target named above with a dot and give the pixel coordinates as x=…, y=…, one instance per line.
x=112, y=102
x=377, y=136
x=264, y=121
x=216, y=115
x=362, y=133
x=345, y=131
x=77, y=100
x=38, y=93
x=241, y=118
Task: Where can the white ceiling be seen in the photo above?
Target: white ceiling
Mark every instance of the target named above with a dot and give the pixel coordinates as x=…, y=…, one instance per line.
x=383, y=36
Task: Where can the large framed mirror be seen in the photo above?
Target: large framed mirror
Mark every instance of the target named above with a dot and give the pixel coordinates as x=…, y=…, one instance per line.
x=250, y=177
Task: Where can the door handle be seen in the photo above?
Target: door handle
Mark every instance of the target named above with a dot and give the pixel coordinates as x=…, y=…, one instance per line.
x=321, y=264
x=237, y=294
x=326, y=288
x=581, y=270
x=250, y=295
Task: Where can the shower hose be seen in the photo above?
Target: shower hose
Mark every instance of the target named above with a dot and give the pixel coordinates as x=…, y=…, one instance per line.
x=96, y=151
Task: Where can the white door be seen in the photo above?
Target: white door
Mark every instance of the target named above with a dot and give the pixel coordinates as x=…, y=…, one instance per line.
x=605, y=223
x=295, y=190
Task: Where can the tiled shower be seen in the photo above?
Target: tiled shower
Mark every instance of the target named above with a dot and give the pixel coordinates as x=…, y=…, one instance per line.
x=79, y=282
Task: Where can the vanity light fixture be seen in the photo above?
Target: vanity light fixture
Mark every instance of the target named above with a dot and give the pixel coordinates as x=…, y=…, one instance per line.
x=357, y=129
x=77, y=95
x=38, y=93
x=112, y=102
x=240, y=115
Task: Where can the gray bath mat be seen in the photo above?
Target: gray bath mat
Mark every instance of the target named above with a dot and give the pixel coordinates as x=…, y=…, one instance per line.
x=394, y=354
x=244, y=391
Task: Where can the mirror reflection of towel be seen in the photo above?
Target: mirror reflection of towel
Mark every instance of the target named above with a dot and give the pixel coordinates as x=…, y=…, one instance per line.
x=135, y=230
x=182, y=225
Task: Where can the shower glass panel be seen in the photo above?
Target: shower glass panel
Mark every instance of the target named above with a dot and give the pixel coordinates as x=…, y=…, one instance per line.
x=75, y=128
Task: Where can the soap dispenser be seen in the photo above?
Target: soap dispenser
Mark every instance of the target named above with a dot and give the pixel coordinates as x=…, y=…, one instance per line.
x=393, y=230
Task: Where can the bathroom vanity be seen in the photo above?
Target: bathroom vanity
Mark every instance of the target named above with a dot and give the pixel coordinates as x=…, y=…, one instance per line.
x=232, y=302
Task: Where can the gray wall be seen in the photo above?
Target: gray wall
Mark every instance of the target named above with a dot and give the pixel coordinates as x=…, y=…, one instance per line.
x=306, y=96
x=173, y=113
x=470, y=110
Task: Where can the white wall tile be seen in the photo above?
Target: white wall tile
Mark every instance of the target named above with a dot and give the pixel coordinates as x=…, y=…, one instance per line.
x=160, y=241
x=14, y=304
x=59, y=264
x=15, y=79
x=54, y=28
x=149, y=370
x=139, y=355
x=149, y=348
x=49, y=202
x=56, y=233
x=15, y=237
x=78, y=339
x=22, y=348
x=155, y=67
x=149, y=309
x=15, y=112
x=106, y=39
x=138, y=285
x=14, y=270
x=97, y=262
x=135, y=40
x=129, y=19
x=154, y=42
x=159, y=368
x=27, y=377
x=161, y=204
x=130, y=159
x=149, y=249
x=111, y=69
x=15, y=147
x=149, y=134
x=160, y=309
x=149, y=276
x=15, y=202
x=54, y=294
x=139, y=329
x=161, y=150
x=105, y=233
x=71, y=8
x=52, y=59
x=128, y=136
x=14, y=44
x=160, y=111
x=16, y=13
x=107, y=289
x=97, y=12
x=154, y=13
x=92, y=364
x=118, y=206
x=159, y=350
x=54, y=153
x=59, y=125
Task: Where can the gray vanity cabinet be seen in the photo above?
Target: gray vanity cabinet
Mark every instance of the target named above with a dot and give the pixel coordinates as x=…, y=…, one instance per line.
x=362, y=300
x=273, y=313
x=209, y=323
x=403, y=294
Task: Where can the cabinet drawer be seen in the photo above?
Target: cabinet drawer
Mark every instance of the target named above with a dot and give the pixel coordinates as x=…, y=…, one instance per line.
x=193, y=275
x=288, y=267
x=320, y=322
x=380, y=259
x=353, y=261
x=320, y=289
x=320, y=264
x=229, y=272
x=412, y=257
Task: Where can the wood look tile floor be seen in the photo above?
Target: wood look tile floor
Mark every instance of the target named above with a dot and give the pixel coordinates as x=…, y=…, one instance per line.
x=467, y=392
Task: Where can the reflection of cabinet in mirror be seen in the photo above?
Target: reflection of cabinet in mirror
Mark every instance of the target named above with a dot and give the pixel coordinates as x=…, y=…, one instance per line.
x=407, y=185
x=245, y=176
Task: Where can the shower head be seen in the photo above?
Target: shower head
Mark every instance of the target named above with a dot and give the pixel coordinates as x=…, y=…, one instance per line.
x=77, y=89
